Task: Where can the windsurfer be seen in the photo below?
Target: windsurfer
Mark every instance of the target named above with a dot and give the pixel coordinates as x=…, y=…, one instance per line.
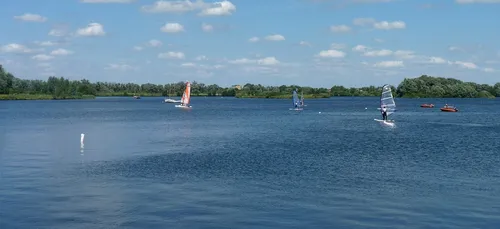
x=384, y=113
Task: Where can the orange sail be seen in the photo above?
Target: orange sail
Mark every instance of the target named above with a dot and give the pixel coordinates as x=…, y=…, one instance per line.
x=186, y=96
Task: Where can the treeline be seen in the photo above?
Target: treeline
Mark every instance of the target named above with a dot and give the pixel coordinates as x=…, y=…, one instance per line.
x=426, y=87
x=61, y=88
x=281, y=92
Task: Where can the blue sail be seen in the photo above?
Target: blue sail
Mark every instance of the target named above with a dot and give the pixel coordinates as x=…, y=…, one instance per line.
x=295, y=98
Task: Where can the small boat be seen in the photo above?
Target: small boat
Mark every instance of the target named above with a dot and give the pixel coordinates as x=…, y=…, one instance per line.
x=137, y=97
x=447, y=108
x=186, y=97
x=296, y=102
x=427, y=105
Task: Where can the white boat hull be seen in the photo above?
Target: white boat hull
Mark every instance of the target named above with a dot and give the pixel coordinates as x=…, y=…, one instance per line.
x=386, y=122
x=183, y=106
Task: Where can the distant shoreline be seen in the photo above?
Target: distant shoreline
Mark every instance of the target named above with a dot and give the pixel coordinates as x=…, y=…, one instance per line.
x=41, y=97
x=283, y=97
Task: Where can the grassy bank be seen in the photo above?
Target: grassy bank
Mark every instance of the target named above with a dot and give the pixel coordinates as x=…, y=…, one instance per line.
x=41, y=97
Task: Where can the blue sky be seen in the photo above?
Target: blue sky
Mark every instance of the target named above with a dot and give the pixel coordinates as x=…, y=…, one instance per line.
x=305, y=42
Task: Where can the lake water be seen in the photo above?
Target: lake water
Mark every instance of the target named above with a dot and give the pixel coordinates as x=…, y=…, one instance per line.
x=248, y=163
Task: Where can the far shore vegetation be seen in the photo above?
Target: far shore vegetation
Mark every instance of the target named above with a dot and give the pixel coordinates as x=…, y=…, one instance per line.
x=13, y=88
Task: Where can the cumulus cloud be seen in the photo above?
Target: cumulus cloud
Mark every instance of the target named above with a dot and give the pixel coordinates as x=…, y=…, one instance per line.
x=340, y=28
x=172, y=28
x=331, y=53
x=120, y=67
x=61, y=52
x=389, y=64
x=172, y=55
x=263, y=61
x=42, y=57
x=92, y=29
x=207, y=27
x=107, y=1
x=275, y=37
x=15, y=48
x=253, y=39
x=31, y=17
x=182, y=6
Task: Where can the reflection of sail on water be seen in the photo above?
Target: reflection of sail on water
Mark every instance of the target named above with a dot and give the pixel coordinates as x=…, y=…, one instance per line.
x=387, y=100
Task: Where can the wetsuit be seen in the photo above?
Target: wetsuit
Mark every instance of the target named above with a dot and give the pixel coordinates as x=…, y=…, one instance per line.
x=384, y=113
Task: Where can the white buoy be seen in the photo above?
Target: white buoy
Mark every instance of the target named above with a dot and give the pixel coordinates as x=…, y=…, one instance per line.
x=319, y=112
x=82, y=138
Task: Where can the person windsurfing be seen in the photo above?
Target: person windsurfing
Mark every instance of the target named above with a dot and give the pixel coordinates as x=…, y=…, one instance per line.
x=384, y=113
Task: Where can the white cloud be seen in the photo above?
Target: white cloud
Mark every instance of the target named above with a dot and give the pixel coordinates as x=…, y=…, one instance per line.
x=92, y=29
x=304, y=43
x=437, y=60
x=364, y=21
x=171, y=55
x=468, y=65
x=219, y=9
x=42, y=57
x=376, y=53
x=155, y=43
x=360, y=48
x=268, y=61
x=15, y=48
x=264, y=61
x=338, y=46
x=489, y=70
x=275, y=37
x=61, y=52
x=172, y=28
x=31, y=17
x=476, y=1
x=138, y=48
x=45, y=43
x=385, y=25
x=189, y=65
x=207, y=27
x=57, y=33
x=107, y=1
x=331, y=53
x=200, y=58
x=340, y=28
x=182, y=6
x=404, y=54
x=120, y=67
x=454, y=48
x=389, y=64
x=253, y=39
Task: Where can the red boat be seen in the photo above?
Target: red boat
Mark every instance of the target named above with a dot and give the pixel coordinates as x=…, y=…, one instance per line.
x=427, y=105
x=447, y=108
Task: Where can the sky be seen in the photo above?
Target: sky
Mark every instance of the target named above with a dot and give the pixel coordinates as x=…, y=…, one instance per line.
x=316, y=43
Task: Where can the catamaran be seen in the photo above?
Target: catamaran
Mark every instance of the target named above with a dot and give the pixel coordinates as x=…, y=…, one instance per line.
x=296, y=102
x=387, y=101
x=186, y=97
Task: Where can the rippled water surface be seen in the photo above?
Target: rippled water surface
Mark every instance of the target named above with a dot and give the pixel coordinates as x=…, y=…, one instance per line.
x=248, y=163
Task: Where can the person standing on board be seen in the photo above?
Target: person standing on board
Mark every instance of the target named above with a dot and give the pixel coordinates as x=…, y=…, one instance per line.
x=384, y=113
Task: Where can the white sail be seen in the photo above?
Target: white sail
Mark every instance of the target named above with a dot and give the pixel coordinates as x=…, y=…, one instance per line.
x=387, y=100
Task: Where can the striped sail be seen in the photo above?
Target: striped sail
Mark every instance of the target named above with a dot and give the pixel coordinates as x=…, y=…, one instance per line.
x=387, y=100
